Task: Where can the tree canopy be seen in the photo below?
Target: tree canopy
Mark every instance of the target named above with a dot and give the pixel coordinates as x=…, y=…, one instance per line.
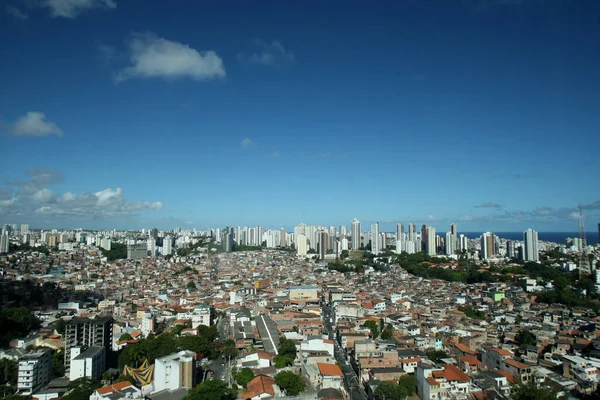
x=16, y=322
x=82, y=389
x=244, y=376
x=290, y=382
x=286, y=353
x=372, y=325
x=390, y=391
x=532, y=391
x=212, y=389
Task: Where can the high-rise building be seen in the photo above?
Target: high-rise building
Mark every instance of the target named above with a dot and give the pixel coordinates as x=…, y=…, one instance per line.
x=87, y=332
x=399, y=231
x=431, y=245
x=301, y=245
x=531, y=251
x=355, y=233
x=510, y=249
x=4, y=242
x=135, y=251
x=412, y=232
x=282, y=238
x=323, y=239
x=463, y=243
x=24, y=228
x=453, y=230
x=167, y=245
x=488, y=245
x=449, y=243
x=375, y=239
x=424, y=238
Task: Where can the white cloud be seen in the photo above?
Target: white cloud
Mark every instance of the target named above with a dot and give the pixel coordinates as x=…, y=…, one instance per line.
x=431, y=218
x=268, y=54
x=246, y=142
x=16, y=13
x=72, y=8
x=44, y=195
x=34, y=123
x=34, y=197
x=155, y=57
x=489, y=204
x=276, y=154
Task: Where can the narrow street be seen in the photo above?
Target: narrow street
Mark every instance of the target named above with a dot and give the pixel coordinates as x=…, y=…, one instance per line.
x=351, y=381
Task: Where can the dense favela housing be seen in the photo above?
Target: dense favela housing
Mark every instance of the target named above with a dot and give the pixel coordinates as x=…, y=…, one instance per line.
x=317, y=312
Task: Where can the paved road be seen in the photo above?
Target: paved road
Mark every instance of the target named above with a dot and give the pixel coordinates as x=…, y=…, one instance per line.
x=351, y=381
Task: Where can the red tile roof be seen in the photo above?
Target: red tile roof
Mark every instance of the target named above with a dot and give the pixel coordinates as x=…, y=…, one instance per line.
x=259, y=385
x=113, y=388
x=329, y=369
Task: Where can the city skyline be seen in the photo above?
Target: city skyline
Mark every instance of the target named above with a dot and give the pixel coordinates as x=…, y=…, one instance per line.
x=479, y=113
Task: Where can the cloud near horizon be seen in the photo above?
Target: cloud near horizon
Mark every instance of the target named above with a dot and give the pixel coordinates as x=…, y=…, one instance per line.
x=155, y=57
x=489, y=204
x=32, y=197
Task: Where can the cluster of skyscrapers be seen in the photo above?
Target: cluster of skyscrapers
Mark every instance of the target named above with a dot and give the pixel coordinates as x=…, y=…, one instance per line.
x=326, y=241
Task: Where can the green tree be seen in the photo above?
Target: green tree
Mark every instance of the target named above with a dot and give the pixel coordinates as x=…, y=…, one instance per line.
x=244, y=376
x=409, y=383
x=82, y=389
x=229, y=349
x=525, y=338
x=125, y=337
x=532, y=391
x=60, y=326
x=8, y=372
x=390, y=391
x=57, y=365
x=290, y=382
x=286, y=353
x=16, y=322
x=191, y=285
x=388, y=332
x=436, y=355
x=212, y=389
x=372, y=325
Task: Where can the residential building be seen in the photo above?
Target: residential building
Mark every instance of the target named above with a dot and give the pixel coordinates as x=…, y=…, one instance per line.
x=87, y=363
x=34, y=371
x=488, y=245
x=87, y=332
x=301, y=245
x=175, y=371
x=135, y=251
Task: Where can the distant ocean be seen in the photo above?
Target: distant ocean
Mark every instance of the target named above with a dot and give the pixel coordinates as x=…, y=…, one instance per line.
x=556, y=237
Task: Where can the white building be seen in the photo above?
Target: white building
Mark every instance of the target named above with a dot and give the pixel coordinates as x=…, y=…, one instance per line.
x=90, y=363
x=174, y=371
x=375, y=239
x=167, y=246
x=34, y=371
x=4, y=242
x=431, y=241
x=301, y=245
x=355, y=234
x=531, y=251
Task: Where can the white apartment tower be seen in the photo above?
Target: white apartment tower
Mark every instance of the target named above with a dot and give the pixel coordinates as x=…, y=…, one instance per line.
x=431, y=241
x=531, y=251
x=301, y=245
x=375, y=239
x=355, y=234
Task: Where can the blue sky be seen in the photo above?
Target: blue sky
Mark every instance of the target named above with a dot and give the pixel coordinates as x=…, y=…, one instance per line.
x=131, y=114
